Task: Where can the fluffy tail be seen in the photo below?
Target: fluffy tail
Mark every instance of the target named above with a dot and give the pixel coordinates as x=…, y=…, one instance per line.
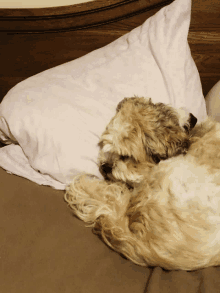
x=103, y=206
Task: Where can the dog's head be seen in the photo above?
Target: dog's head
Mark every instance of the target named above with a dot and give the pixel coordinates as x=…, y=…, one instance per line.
x=142, y=132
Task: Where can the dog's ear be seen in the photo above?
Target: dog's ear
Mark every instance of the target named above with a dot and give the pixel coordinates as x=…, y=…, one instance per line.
x=123, y=135
x=163, y=145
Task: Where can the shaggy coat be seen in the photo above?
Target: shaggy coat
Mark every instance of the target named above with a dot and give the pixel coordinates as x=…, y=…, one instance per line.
x=171, y=216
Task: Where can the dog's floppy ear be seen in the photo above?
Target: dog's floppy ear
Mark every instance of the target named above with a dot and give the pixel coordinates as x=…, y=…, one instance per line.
x=123, y=135
x=163, y=143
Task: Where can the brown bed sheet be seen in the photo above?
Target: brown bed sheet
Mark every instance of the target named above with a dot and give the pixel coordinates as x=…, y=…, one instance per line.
x=44, y=248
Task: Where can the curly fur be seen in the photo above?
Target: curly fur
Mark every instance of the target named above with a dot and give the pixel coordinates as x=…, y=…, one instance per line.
x=142, y=131
x=171, y=218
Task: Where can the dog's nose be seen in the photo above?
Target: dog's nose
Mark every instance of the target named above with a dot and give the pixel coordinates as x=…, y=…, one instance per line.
x=106, y=168
x=192, y=120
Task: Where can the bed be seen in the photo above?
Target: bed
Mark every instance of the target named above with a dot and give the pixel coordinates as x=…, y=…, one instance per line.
x=44, y=248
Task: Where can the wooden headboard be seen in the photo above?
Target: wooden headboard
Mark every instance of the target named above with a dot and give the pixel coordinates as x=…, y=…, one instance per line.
x=33, y=40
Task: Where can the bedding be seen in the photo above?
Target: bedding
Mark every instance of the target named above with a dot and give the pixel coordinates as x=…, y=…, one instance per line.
x=43, y=247
x=55, y=118
x=213, y=102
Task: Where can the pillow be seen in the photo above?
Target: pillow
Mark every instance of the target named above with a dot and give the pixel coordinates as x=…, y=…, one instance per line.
x=213, y=102
x=54, y=119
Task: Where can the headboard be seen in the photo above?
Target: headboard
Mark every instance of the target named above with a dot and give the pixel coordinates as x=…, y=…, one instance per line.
x=33, y=40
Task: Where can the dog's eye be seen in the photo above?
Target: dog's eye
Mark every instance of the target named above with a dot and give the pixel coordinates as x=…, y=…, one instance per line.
x=158, y=158
x=186, y=127
x=124, y=158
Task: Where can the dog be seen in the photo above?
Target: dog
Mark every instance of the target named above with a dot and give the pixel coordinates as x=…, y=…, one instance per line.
x=142, y=131
x=170, y=217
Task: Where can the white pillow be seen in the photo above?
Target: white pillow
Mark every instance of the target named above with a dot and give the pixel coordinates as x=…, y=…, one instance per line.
x=213, y=102
x=57, y=116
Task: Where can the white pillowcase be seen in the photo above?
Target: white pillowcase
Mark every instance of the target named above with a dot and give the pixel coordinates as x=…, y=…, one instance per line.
x=56, y=117
x=213, y=102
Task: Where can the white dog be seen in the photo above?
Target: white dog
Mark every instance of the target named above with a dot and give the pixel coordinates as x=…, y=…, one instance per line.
x=169, y=218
